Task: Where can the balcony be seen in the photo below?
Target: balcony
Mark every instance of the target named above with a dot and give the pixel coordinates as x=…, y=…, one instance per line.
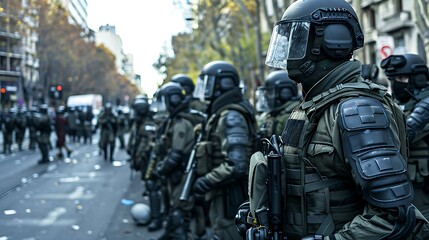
x=396, y=22
x=8, y=34
x=4, y=72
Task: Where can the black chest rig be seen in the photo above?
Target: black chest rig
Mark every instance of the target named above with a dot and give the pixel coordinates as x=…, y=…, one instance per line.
x=316, y=204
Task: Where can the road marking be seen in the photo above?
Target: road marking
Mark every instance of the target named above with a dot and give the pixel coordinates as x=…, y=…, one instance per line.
x=78, y=193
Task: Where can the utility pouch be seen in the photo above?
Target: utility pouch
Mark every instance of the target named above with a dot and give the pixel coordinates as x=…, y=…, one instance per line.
x=257, y=182
x=203, y=154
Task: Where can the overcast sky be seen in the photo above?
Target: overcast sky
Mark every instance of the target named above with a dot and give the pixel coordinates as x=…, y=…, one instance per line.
x=144, y=27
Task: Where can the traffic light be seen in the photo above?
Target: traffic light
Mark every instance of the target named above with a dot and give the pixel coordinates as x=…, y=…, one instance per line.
x=60, y=91
x=56, y=91
x=4, y=94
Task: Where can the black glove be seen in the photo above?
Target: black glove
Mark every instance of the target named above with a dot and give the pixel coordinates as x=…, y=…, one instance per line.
x=241, y=218
x=202, y=186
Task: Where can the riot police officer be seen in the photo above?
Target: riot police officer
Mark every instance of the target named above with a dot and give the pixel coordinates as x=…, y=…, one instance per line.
x=20, y=126
x=344, y=147
x=189, y=86
x=32, y=131
x=8, y=126
x=108, y=125
x=122, y=128
x=43, y=124
x=223, y=155
x=276, y=99
x=142, y=133
x=408, y=75
x=179, y=144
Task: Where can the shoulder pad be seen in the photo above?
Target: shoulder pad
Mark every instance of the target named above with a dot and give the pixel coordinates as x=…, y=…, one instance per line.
x=234, y=118
x=372, y=151
x=362, y=113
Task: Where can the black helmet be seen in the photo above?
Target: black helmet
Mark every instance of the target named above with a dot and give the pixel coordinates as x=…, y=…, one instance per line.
x=43, y=108
x=143, y=96
x=278, y=89
x=409, y=65
x=61, y=110
x=216, y=78
x=108, y=107
x=140, y=106
x=370, y=72
x=184, y=81
x=311, y=31
x=169, y=96
x=408, y=74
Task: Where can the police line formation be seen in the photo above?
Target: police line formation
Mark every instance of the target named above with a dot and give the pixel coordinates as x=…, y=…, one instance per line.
x=326, y=152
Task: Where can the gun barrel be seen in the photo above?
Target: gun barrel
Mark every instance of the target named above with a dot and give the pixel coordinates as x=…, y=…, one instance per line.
x=187, y=186
x=275, y=190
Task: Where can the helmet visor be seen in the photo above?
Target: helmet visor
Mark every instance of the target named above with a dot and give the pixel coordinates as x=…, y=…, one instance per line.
x=199, y=89
x=205, y=87
x=159, y=105
x=288, y=42
x=262, y=103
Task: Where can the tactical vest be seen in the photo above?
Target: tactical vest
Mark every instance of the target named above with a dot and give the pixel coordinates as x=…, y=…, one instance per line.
x=270, y=124
x=313, y=203
x=212, y=145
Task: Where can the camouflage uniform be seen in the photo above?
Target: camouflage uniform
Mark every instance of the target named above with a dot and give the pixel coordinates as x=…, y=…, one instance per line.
x=43, y=124
x=223, y=154
x=21, y=126
x=108, y=124
x=410, y=89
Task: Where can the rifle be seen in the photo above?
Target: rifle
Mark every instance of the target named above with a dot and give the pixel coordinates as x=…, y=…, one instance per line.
x=190, y=166
x=153, y=157
x=190, y=171
x=274, y=159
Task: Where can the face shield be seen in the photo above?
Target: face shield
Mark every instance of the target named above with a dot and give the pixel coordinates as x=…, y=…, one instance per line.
x=159, y=106
x=204, y=88
x=266, y=98
x=288, y=42
x=261, y=103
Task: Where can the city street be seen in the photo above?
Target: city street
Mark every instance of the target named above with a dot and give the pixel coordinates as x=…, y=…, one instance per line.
x=81, y=197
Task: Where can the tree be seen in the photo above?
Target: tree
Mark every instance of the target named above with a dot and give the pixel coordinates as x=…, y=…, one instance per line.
x=69, y=59
x=226, y=30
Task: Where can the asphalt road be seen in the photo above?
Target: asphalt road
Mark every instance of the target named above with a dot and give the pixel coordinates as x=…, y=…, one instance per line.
x=81, y=197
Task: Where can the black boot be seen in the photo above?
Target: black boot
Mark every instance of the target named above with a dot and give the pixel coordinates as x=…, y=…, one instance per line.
x=112, y=150
x=155, y=211
x=177, y=226
x=105, y=153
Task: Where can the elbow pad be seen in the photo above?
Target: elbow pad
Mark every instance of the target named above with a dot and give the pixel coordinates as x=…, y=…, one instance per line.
x=172, y=161
x=237, y=142
x=373, y=153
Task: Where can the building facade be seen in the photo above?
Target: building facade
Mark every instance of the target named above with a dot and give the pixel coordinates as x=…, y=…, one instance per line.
x=106, y=35
x=78, y=10
x=11, y=52
x=390, y=27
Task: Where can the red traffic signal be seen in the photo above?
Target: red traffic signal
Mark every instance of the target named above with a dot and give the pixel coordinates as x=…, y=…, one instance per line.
x=3, y=90
x=59, y=88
